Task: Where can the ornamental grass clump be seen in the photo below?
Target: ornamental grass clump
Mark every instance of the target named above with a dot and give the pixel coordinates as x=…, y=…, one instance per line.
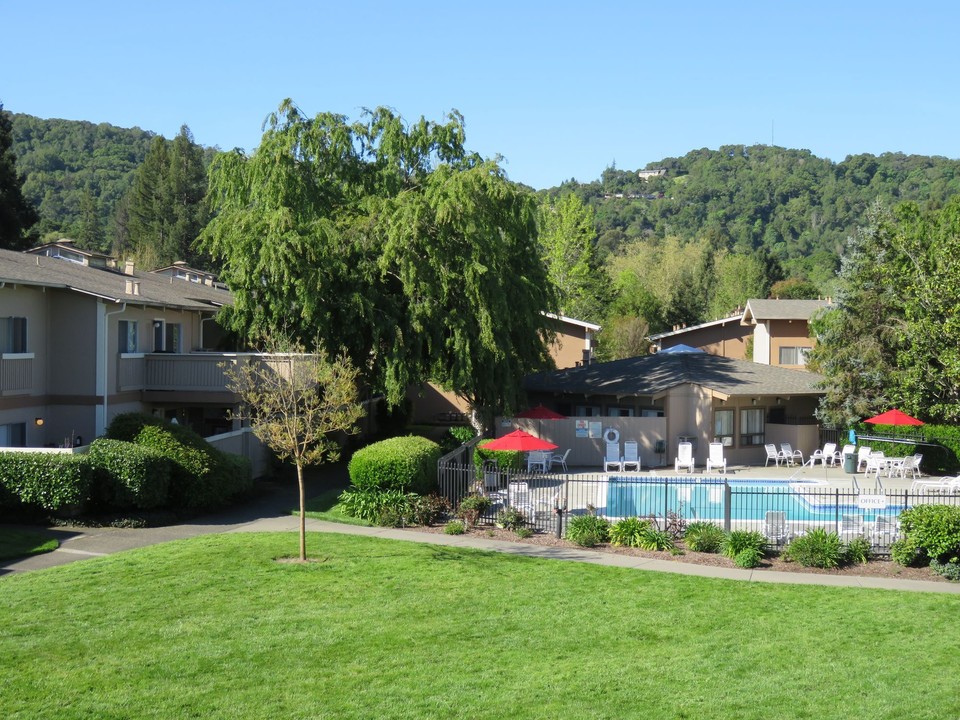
x=704, y=537
x=818, y=548
x=588, y=530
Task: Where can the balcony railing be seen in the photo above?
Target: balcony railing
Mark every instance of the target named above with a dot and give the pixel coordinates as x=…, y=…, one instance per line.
x=169, y=371
x=196, y=372
x=16, y=373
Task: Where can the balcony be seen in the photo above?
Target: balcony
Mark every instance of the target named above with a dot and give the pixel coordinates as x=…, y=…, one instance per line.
x=16, y=373
x=201, y=372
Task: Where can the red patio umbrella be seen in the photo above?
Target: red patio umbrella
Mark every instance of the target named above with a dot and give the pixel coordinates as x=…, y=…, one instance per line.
x=519, y=441
x=540, y=413
x=893, y=417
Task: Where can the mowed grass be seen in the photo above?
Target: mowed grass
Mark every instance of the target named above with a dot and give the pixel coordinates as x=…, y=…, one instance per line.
x=326, y=506
x=21, y=543
x=214, y=628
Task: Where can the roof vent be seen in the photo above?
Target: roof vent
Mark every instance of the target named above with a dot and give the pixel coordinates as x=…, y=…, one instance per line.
x=128, y=267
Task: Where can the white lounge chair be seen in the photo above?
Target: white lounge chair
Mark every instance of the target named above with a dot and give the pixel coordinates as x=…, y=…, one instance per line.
x=716, y=459
x=851, y=526
x=772, y=454
x=612, y=461
x=631, y=456
x=789, y=454
x=684, y=457
x=862, y=454
x=775, y=527
x=827, y=456
x=885, y=530
x=938, y=485
x=560, y=460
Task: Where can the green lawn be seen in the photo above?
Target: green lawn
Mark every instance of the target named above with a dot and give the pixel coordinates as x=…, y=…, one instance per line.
x=214, y=628
x=20, y=543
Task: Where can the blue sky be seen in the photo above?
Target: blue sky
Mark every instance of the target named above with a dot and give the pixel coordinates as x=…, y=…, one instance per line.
x=559, y=89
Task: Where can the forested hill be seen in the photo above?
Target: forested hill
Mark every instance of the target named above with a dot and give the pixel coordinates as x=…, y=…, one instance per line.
x=76, y=172
x=798, y=206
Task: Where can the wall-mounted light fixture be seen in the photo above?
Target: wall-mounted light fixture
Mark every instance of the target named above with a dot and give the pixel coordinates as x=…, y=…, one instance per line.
x=38, y=421
x=779, y=401
x=753, y=401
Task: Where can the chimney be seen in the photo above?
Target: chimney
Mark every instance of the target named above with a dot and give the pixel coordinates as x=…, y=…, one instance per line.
x=128, y=267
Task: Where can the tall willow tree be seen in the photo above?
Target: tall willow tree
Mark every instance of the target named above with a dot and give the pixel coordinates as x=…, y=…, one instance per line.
x=389, y=240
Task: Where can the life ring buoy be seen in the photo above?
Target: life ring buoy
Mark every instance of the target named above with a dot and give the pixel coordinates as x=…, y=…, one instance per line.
x=611, y=435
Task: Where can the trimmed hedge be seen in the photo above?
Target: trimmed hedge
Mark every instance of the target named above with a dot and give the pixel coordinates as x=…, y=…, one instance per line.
x=52, y=481
x=202, y=477
x=505, y=459
x=129, y=475
x=407, y=463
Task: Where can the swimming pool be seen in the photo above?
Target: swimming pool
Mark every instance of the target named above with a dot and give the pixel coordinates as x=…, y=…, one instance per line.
x=749, y=500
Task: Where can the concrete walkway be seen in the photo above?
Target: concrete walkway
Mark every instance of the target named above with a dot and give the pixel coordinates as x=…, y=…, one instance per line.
x=271, y=514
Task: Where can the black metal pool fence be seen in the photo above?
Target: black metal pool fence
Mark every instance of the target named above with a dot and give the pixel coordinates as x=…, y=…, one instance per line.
x=780, y=510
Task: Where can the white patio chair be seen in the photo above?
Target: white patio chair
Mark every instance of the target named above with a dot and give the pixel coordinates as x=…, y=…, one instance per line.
x=862, y=454
x=876, y=463
x=684, y=457
x=775, y=527
x=772, y=454
x=631, y=456
x=716, y=458
x=560, y=460
x=538, y=460
x=789, y=454
x=827, y=456
x=613, y=462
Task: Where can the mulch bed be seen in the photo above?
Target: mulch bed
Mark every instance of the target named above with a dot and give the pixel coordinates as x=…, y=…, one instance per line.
x=875, y=568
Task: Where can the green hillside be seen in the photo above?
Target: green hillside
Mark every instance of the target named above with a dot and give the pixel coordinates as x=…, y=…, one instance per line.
x=799, y=207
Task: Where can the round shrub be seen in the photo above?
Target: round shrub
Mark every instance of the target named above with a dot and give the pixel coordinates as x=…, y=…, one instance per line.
x=472, y=507
x=704, y=537
x=935, y=529
x=455, y=527
x=129, y=475
x=739, y=540
x=818, y=548
x=748, y=558
x=505, y=459
x=511, y=519
x=402, y=463
x=588, y=530
x=524, y=532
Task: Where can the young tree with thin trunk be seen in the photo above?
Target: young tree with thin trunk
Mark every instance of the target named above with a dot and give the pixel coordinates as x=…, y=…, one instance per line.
x=295, y=402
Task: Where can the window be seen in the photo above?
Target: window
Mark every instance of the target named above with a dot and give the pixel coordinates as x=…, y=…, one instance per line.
x=751, y=426
x=14, y=339
x=13, y=435
x=794, y=355
x=127, y=336
x=614, y=411
x=167, y=337
x=587, y=411
x=723, y=426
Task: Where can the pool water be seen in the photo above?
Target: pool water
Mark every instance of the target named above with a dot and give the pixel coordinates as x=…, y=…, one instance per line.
x=748, y=500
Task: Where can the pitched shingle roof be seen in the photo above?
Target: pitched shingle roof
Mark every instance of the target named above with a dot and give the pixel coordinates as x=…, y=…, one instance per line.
x=109, y=284
x=760, y=310
x=652, y=375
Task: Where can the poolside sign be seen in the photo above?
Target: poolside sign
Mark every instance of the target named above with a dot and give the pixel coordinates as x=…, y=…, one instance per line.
x=872, y=502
